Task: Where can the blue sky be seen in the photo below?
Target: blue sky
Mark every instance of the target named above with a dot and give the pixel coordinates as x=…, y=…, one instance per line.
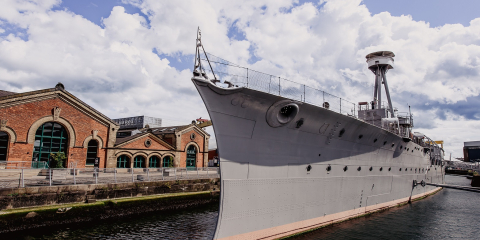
x=435, y=12
x=132, y=57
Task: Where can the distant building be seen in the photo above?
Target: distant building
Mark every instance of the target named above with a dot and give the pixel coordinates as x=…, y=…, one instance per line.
x=36, y=124
x=138, y=122
x=213, y=158
x=471, y=151
x=130, y=124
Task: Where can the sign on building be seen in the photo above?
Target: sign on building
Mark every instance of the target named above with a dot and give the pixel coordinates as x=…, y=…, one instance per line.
x=138, y=122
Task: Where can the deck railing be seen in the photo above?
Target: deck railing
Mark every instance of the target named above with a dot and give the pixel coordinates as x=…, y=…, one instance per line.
x=14, y=178
x=228, y=72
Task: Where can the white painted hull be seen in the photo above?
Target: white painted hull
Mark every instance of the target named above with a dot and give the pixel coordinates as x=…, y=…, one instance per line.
x=267, y=191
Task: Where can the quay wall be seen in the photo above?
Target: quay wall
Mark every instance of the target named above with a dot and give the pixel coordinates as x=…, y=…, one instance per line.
x=49, y=195
x=65, y=215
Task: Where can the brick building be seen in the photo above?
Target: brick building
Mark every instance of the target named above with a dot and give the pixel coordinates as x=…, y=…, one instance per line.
x=35, y=124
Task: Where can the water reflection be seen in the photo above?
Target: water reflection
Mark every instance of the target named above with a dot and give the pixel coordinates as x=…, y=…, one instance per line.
x=449, y=214
x=183, y=224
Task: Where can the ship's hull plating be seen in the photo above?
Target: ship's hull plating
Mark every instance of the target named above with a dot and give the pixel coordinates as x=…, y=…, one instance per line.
x=266, y=189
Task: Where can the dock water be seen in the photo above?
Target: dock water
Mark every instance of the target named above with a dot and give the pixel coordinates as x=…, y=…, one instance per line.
x=449, y=214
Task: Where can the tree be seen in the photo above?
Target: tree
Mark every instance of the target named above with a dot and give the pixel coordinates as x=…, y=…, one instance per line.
x=58, y=159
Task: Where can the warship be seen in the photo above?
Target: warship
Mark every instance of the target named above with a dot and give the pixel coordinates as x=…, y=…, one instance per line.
x=295, y=158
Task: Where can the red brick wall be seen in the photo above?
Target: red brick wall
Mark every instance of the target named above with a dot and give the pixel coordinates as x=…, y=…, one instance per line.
x=140, y=144
x=21, y=117
x=185, y=139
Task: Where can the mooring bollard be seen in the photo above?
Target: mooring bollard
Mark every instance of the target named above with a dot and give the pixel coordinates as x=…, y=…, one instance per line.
x=50, y=175
x=23, y=183
x=133, y=180
x=115, y=174
x=74, y=178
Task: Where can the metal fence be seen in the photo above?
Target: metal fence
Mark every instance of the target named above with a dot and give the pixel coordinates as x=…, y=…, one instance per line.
x=228, y=72
x=14, y=178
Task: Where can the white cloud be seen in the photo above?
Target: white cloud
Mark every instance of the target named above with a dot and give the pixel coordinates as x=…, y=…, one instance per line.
x=113, y=66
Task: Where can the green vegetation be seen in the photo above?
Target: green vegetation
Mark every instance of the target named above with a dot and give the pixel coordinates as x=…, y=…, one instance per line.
x=58, y=159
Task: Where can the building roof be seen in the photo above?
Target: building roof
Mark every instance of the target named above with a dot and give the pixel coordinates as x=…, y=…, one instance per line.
x=126, y=139
x=170, y=129
x=471, y=144
x=59, y=88
x=6, y=93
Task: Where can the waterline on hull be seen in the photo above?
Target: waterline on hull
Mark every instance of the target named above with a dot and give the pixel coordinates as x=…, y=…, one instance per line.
x=311, y=224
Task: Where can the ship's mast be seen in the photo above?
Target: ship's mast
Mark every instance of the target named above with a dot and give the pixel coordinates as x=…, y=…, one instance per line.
x=379, y=63
x=198, y=69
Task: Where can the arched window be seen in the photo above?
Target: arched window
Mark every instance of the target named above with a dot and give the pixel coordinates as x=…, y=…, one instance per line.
x=3, y=146
x=168, y=161
x=92, y=151
x=50, y=138
x=139, y=162
x=191, y=156
x=122, y=161
x=154, y=162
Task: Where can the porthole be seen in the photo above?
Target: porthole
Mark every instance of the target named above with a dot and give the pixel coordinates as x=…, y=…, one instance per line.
x=384, y=143
x=299, y=123
x=345, y=168
x=411, y=169
x=281, y=113
x=401, y=146
x=389, y=169
x=371, y=168
x=393, y=144
x=359, y=168
x=329, y=168
x=415, y=170
x=406, y=169
x=400, y=169
x=309, y=168
x=375, y=140
x=360, y=136
x=408, y=149
x=412, y=150
x=319, y=154
x=340, y=134
x=287, y=113
x=381, y=169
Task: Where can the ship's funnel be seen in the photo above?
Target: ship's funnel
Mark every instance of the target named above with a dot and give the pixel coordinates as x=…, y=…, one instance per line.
x=379, y=63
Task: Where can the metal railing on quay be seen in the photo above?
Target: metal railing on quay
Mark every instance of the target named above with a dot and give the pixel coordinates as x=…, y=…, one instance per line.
x=244, y=77
x=14, y=178
x=20, y=164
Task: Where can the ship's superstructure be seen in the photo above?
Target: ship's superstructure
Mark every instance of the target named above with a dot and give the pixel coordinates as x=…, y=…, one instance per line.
x=295, y=158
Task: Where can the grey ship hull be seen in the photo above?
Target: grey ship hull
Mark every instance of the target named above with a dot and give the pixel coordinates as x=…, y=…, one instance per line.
x=266, y=190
